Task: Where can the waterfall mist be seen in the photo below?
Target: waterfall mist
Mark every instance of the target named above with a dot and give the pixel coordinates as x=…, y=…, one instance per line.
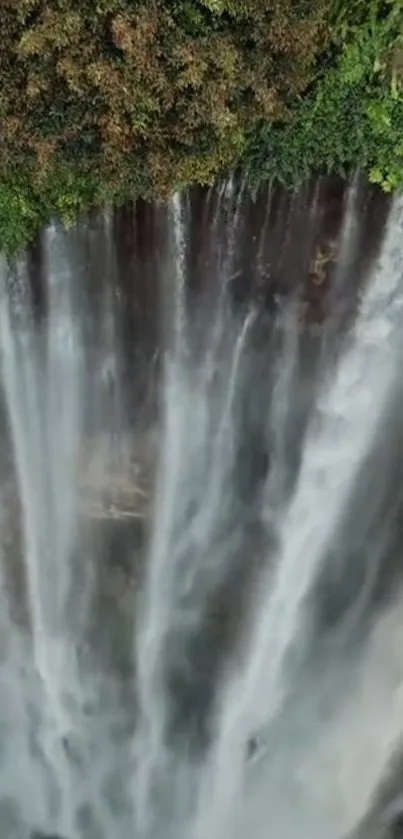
x=201, y=521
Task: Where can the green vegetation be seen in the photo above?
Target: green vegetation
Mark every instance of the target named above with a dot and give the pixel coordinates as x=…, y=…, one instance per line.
x=352, y=115
x=102, y=100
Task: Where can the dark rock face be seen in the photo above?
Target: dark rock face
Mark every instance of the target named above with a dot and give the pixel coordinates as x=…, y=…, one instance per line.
x=283, y=244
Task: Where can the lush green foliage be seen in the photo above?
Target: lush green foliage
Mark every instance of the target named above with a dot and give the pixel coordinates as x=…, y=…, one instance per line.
x=105, y=99
x=352, y=116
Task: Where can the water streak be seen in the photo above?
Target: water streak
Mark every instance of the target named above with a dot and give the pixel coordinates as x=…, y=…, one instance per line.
x=170, y=668
x=348, y=415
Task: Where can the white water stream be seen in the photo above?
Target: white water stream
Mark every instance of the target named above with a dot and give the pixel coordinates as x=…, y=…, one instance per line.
x=231, y=732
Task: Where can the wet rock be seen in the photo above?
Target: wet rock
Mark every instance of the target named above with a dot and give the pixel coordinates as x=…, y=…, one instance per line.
x=325, y=256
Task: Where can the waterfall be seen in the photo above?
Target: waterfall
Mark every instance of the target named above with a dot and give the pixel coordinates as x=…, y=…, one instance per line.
x=350, y=229
x=42, y=410
x=347, y=418
x=43, y=379
x=171, y=666
x=179, y=294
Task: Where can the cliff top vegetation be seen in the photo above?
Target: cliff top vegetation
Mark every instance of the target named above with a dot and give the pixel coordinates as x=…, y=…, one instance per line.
x=104, y=100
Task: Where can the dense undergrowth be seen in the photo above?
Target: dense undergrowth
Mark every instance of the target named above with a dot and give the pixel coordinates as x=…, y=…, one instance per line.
x=104, y=100
x=351, y=117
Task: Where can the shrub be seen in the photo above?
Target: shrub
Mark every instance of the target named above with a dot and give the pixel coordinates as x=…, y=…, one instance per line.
x=102, y=100
x=352, y=115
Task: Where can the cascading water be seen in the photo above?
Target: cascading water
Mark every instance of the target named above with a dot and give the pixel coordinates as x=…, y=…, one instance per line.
x=42, y=391
x=348, y=415
x=228, y=702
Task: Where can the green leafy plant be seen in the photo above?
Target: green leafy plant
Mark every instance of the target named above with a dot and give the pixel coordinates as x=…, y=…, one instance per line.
x=114, y=97
x=352, y=115
x=108, y=100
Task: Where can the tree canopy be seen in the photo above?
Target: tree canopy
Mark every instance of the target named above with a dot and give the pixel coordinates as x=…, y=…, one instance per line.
x=101, y=100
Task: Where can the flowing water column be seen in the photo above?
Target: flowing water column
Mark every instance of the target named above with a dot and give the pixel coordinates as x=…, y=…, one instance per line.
x=21, y=349
x=222, y=440
x=283, y=391
x=261, y=249
x=347, y=418
x=349, y=230
x=151, y=754
x=179, y=212
x=346, y=760
x=172, y=563
x=22, y=784
x=342, y=288
x=41, y=376
x=64, y=404
x=224, y=244
x=197, y=453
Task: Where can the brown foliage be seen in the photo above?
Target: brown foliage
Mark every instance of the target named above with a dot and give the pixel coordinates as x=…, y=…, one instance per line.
x=161, y=90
